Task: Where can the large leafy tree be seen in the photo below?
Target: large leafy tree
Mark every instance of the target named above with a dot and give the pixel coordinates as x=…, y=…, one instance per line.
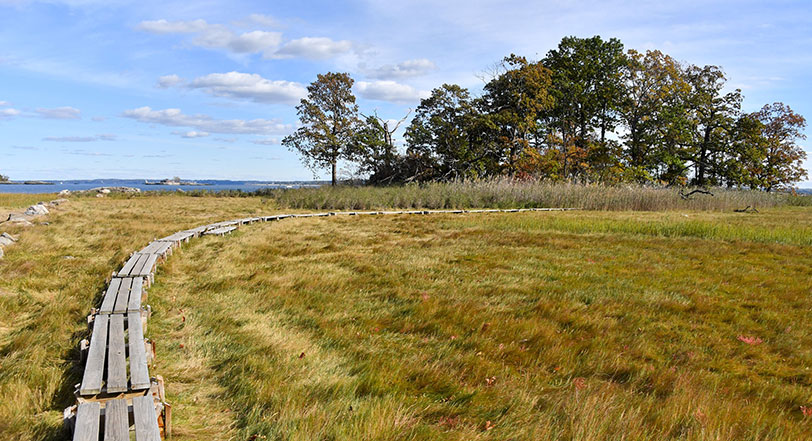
x=513, y=103
x=588, y=88
x=439, y=137
x=769, y=154
x=713, y=114
x=379, y=158
x=653, y=115
x=329, y=118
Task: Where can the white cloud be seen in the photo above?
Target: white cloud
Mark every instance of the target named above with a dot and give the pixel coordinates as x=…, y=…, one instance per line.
x=316, y=48
x=173, y=27
x=247, y=43
x=70, y=138
x=191, y=134
x=205, y=123
x=107, y=137
x=8, y=113
x=409, y=68
x=266, y=141
x=66, y=112
x=5, y=103
x=217, y=36
x=169, y=81
x=389, y=91
x=249, y=86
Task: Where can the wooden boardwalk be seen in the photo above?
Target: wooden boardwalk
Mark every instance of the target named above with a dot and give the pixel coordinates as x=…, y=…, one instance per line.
x=117, y=395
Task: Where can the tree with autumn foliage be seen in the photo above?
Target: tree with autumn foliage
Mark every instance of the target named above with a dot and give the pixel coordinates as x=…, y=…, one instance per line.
x=769, y=154
x=330, y=121
x=587, y=85
x=512, y=104
x=587, y=111
x=653, y=115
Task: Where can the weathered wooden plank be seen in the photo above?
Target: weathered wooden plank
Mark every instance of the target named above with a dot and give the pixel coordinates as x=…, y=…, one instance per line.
x=139, y=374
x=109, y=300
x=94, y=367
x=123, y=296
x=197, y=230
x=87, y=422
x=138, y=269
x=151, y=248
x=146, y=420
x=116, y=421
x=146, y=266
x=136, y=294
x=116, y=356
x=127, y=268
x=177, y=237
x=164, y=248
x=222, y=231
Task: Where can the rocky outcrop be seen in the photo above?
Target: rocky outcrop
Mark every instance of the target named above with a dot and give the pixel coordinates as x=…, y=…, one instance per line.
x=36, y=210
x=108, y=190
x=6, y=240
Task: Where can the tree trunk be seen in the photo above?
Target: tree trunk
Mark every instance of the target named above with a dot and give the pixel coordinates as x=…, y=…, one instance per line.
x=703, y=157
x=334, y=173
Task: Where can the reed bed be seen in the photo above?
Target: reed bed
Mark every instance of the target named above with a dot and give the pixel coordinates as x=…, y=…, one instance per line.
x=505, y=193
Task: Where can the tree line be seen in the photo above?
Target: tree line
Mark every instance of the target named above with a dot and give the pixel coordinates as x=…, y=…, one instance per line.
x=589, y=111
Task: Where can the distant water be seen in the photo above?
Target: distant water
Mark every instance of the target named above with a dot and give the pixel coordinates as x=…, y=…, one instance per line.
x=213, y=185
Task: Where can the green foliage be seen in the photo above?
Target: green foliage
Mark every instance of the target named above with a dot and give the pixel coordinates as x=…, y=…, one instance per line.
x=781, y=157
x=329, y=118
x=4, y=178
x=588, y=90
x=653, y=114
x=512, y=108
x=440, y=136
x=587, y=112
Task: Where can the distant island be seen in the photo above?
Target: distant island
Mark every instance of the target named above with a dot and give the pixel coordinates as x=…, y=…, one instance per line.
x=26, y=183
x=174, y=181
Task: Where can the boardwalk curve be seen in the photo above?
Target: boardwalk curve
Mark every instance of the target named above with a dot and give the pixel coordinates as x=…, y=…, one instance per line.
x=118, y=395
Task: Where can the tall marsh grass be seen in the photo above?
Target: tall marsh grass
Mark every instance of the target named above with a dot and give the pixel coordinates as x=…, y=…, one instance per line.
x=504, y=193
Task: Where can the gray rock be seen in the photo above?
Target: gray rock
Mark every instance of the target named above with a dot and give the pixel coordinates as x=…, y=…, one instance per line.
x=56, y=202
x=21, y=222
x=104, y=191
x=65, y=192
x=16, y=217
x=7, y=239
x=36, y=210
x=1, y=252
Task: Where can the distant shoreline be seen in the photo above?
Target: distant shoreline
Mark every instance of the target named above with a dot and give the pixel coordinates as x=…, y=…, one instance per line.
x=26, y=183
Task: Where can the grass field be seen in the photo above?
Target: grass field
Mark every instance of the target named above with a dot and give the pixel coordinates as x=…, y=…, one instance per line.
x=575, y=325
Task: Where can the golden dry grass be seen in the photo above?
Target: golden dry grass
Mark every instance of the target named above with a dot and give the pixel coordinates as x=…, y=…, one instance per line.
x=578, y=325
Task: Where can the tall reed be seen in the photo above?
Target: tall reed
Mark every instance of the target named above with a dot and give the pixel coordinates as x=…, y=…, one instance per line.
x=506, y=193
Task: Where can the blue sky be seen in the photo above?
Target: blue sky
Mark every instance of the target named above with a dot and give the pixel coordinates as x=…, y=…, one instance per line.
x=207, y=89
